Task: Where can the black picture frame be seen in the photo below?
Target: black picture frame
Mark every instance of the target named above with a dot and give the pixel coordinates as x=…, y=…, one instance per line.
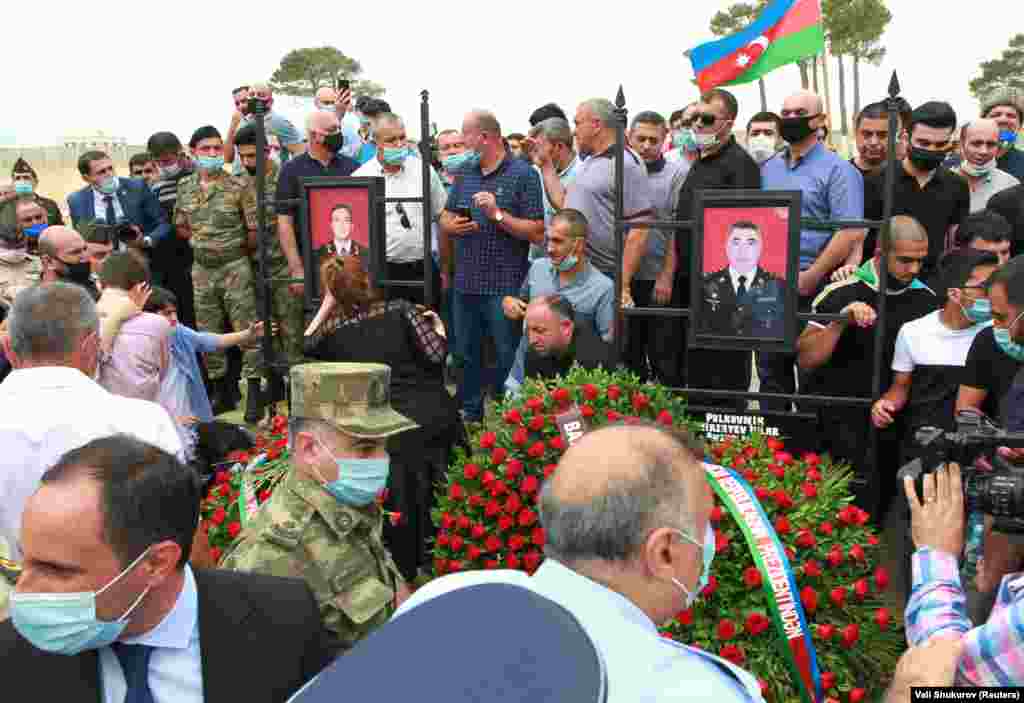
x=365, y=192
x=767, y=319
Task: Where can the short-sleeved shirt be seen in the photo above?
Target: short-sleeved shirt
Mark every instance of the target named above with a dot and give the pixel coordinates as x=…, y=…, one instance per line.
x=219, y=218
x=990, y=369
x=1010, y=204
x=935, y=356
x=490, y=261
x=832, y=190
x=593, y=194
x=591, y=293
x=661, y=175
x=289, y=188
x=943, y=202
x=849, y=370
x=730, y=168
x=996, y=181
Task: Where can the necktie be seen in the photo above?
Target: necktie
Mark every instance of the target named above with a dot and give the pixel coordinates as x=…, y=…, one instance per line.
x=110, y=216
x=134, y=660
x=741, y=292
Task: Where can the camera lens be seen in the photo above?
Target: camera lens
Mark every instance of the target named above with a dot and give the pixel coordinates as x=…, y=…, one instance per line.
x=999, y=493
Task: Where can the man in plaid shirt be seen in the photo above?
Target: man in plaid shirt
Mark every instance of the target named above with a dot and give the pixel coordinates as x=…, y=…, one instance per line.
x=993, y=653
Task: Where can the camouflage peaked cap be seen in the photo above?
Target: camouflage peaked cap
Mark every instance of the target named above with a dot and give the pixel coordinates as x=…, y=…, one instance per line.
x=355, y=398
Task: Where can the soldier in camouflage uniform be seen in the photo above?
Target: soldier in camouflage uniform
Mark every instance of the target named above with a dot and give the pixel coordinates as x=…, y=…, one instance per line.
x=214, y=213
x=323, y=522
x=18, y=268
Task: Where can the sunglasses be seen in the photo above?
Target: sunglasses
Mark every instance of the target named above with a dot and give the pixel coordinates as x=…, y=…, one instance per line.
x=405, y=218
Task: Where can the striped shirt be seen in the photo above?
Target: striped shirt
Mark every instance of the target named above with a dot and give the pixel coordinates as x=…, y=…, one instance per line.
x=993, y=653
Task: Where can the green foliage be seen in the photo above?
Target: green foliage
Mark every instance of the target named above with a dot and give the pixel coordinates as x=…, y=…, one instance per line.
x=1006, y=72
x=304, y=71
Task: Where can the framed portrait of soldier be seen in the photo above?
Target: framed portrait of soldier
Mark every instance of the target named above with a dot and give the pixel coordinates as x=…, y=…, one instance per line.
x=340, y=218
x=744, y=270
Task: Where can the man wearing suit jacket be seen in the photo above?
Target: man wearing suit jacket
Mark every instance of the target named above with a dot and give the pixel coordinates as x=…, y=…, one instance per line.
x=110, y=530
x=110, y=200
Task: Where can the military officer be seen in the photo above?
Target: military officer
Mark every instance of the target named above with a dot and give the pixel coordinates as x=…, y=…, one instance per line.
x=323, y=522
x=25, y=182
x=19, y=269
x=743, y=299
x=215, y=215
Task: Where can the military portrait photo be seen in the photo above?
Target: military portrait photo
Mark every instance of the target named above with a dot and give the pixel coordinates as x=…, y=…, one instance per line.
x=340, y=219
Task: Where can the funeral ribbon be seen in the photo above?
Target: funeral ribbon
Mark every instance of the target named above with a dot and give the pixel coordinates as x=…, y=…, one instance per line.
x=784, y=604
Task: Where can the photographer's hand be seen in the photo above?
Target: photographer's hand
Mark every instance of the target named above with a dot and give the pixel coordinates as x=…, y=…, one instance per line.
x=938, y=522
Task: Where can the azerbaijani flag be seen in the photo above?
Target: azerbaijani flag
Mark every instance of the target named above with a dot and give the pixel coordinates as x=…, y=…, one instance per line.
x=785, y=32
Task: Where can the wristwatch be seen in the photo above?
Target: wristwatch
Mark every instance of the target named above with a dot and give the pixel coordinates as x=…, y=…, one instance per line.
x=500, y=217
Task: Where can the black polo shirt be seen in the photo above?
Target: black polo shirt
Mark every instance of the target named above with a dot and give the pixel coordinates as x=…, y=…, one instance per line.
x=1010, y=204
x=730, y=168
x=871, y=186
x=990, y=369
x=944, y=201
x=292, y=173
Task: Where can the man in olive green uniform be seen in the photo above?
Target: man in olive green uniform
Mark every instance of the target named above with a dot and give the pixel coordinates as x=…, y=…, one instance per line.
x=286, y=308
x=214, y=213
x=25, y=183
x=323, y=522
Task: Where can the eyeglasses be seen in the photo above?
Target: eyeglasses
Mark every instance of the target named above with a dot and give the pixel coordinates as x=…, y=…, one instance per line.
x=405, y=218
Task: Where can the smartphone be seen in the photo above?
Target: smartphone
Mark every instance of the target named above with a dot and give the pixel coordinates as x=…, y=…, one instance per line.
x=341, y=85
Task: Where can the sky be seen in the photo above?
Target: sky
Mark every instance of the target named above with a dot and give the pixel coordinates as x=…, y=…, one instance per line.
x=131, y=73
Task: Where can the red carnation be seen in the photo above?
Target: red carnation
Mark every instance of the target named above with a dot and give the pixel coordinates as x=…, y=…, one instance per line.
x=782, y=499
x=834, y=557
x=861, y=517
x=665, y=418
x=777, y=471
x=478, y=531
x=613, y=392
x=590, y=391
x=513, y=504
x=640, y=401
x=225, y=489
x=463, y=522
x=549, y=469
x=537, y=422
x=557, y=443
x=454, y=565
x=813, y=475
x=872, y=540
x=812, y=569
x=711, y=587
x=750, y=476
x=531, y=560
x=850, y=634
x=512, y=417
x=809, y=598
x=492, y=564
x=613, y=416
x=527, y=517
x=762, y=493
x=505, y=523
x=757, y=623
x=513, y=468
x=587, y=411
x=488, y=440
x=440, y=566
x=825, y=528
x=882, y=618
x=538, y=536
x=716, y=514
x=234, y=528
x=443, y=539
x=861, y=588
x=493, y=508
x=805, y=539
x=749, y=451
x=219, y=516
x=215, y=554
x=828, y=680
x=477, y=501
x=812, y=459
x=499, y=455
x=529, y=485
x=847, y=516
x=473, y=552
x=826, y=631
x=520, y=437
x=857, y=695
x=560, y=396
x=536, y=450
x=733, y=653
x=809, y=490
x=471, y=471
x=752, y=577
x=881, y=578
x=535, y=403
x=223, y=477
x=726, y=629
x=457, y=543
x=782, y=525
x=721, y=541
x=493, y=543
x=783, y=458
x=455, y=492
x=739, y=462
x=498, y=488
x=838, y=596
x=857, y=553
x=775, y=445
x=488, y=478
x=685, y=617
x=516, y=542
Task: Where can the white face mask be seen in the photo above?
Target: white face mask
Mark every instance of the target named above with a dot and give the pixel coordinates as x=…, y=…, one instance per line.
x=761, y=148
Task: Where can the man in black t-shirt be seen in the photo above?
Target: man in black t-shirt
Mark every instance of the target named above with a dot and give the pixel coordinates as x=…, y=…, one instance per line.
x=840, y=355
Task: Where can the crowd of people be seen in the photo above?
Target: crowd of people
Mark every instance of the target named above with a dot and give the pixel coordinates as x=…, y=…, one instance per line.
x=126, y=334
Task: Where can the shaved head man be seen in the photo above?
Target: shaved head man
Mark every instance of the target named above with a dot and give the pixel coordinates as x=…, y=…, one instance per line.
x=64, y=256
x=325, y=98
x=979, y=149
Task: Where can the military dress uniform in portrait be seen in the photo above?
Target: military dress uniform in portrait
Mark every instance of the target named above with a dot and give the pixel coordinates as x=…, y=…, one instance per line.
x=308, y=529
x=739, y=305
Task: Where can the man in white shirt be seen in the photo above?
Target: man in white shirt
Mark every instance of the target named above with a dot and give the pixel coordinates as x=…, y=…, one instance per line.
x=402, y=170
x=50, y=403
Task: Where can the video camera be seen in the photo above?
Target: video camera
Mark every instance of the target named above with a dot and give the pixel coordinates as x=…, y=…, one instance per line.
x=110, y=234
x=998, y=491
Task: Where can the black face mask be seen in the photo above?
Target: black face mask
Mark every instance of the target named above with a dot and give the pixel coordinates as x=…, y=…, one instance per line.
x=926, y=159
x=334, y=141
x=251, y=170
x=894, y=284
x=796, y=129
x=78, y=273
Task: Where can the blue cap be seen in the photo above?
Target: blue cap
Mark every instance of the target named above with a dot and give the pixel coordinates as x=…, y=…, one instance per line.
x=493, y=642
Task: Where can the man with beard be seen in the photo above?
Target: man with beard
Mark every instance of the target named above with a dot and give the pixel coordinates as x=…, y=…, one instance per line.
x=64, y=257
x=556, y=342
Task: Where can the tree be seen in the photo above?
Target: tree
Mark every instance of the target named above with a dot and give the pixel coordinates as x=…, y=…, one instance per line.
x=734, y=19
x=1005, y=72
x=853, y=28
x=304, y=71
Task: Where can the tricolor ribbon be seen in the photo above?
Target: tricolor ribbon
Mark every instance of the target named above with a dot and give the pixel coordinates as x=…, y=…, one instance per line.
x=777, y=579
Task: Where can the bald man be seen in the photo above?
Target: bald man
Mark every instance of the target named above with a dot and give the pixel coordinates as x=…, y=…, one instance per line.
x=623, y=576
x=979, y=149
x=65, y=257
x=323, y=134
x=276, y=124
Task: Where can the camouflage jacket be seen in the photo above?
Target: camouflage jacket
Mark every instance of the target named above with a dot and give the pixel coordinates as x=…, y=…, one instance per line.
x=303, y=532
x=219, y=218
x=275, y=255
x=18, y=270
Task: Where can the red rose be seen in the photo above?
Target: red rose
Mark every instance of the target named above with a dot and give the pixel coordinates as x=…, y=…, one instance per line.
x=590, y=391
x=463, y=522
x=783, y=500
x=457, y=543
x=492, y=564
x=473, y=552
x=234, y=528
x=665, y=418
x=549, y=469
x=857, y=695
x=513, y=468
x=455, y=492
x=487, y=440
x=587, y=411
x=825, y=528
x=828, y=680
x=872, y=540
x=775, y=445
x=505, y=523
x=750, y=476
x=812, y=569
x=493, y=508
x=498, y=488
x=536, y=450
x=443, y=540
x=538, y=536
x=861, y=588
x=477, y=501
x=218, y=517
x=215, y=553
x=809, y=490
x=783, y=458
x=499, y=455
x=711, y=587
x=739, y=462
x=512, y=417
x=850, y=634
x=513, y=504
x=528, y=485
x=223, y=477
x=527, y=517
x=454, y=565
x=520, y=437
x=685, y=617
x=471, y=471
x=493, y=543
x=881, y=578
x=882, y=618
x=478, y=531
x=561, y=396
x=613, y=416
x=440, y=566
x=733, y=653
x=749, y=451
x=557, y=443
x=537, y=422
x=778, y=472
x=782, y=525
x=726, y=629
x=762, y=493
x=838, y=596
x=847, y=516
x=752, y=577
x=861, y=517
x=812, y=459
x=813, y=475
x=640, y=401
x=516, y=542
x=809, y=598
x=716, y=514
x=488, y=478
x=531, y=560
x=721, y=541
x=834, y=557
x=857, y=552
x=613, y=392
x=805, y=539
x=826, y=631
x=225, y=489
x=757, y=623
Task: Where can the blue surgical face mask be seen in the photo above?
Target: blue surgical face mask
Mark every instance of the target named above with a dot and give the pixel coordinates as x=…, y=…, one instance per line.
x=980, y=312
x=395, y=156
x=210, y=163
x=457, y=162
x=35, y=230
x=66, y=623
x=1011, y=348
x=567, y=264
x=1007, y=138
x=359, y=481
x=108, y=186
x=23, y=187
x=709, y=556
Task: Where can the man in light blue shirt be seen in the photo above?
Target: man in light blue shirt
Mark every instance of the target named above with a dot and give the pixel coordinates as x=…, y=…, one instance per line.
x=556, y=161
x=622, y=577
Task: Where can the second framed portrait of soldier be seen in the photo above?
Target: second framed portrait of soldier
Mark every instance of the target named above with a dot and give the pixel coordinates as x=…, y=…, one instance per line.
x=744, y=270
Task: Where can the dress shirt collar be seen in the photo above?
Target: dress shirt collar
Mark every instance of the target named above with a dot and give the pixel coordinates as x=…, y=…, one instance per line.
x=565, y=580
x=176, y=629
x=344, y=246
x=578, y=279
x=100, y=194
x=735, y=276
